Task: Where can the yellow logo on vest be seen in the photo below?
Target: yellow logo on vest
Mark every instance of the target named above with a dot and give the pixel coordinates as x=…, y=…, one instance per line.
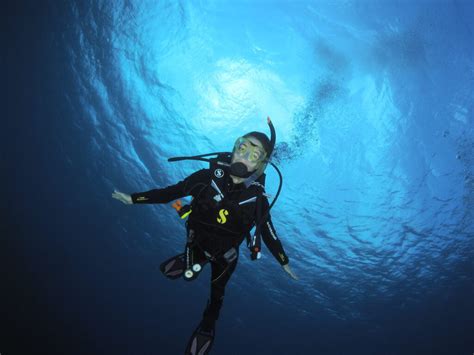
x=222, y=214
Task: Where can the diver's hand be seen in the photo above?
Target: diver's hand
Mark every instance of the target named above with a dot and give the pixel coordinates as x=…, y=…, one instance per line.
x=290, y=272
x=127, y=199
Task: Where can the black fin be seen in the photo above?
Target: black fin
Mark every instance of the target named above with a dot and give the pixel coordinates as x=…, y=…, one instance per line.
x=201, y=341
x=174, y=267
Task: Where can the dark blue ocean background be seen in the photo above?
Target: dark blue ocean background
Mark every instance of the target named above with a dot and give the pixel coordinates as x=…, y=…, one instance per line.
x=373, y=103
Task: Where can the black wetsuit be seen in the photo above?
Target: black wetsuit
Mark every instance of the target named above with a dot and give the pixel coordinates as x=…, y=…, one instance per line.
x=223, y=213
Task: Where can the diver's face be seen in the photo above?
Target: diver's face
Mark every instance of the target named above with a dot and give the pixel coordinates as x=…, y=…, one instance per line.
x=248, y=151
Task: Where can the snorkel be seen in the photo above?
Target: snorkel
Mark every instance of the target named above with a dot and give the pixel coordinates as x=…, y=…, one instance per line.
x=240, y=170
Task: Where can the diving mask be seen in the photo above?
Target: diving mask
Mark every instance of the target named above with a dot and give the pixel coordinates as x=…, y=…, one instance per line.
x=245, y=149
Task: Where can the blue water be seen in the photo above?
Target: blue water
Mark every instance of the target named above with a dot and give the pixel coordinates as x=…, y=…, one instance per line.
x=373, y=104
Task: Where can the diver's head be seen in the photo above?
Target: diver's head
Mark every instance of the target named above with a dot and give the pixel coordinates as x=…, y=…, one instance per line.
x=250, y=156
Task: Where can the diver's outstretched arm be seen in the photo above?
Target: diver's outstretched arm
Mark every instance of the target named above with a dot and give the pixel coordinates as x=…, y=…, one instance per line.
x=122, y=197
x=271, y=240
x=191, y=185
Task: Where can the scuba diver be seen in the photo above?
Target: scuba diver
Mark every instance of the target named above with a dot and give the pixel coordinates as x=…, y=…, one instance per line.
x=228, y=201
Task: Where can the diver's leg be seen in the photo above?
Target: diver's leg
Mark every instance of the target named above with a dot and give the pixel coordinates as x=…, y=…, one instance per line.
x=203, y=337
x=220, y=275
